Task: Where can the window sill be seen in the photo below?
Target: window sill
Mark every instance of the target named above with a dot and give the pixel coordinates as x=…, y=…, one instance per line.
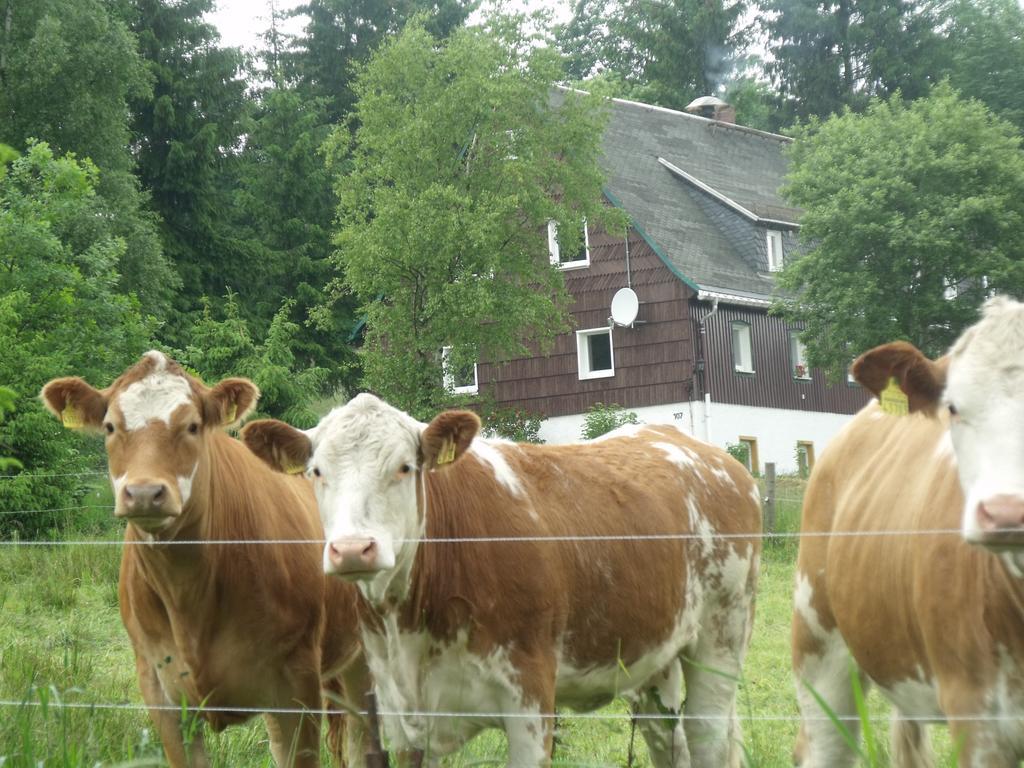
x=570, y=265
x=465, y=390
x=597, y=375
x=744, y=371
x=802, y=378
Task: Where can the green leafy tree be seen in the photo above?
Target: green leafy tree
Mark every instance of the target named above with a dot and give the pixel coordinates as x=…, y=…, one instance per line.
x=61, y=313
x=986, y=41
x=600, y=419
x=226, y=347
x=912, y=213
x=187, y=134
x=341, y=34
x=665, y=53
x=829, y=55
x=67, y=71
x=460, y=159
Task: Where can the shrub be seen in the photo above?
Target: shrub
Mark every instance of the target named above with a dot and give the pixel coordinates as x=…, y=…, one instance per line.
x=513, y=424
x=601, y=419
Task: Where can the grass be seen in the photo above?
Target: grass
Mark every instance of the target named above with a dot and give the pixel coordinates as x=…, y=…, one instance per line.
x=61, y=639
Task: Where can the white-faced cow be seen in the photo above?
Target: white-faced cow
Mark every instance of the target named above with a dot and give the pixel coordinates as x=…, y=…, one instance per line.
x=934, y=619
x=521, y=577
x=246, y=625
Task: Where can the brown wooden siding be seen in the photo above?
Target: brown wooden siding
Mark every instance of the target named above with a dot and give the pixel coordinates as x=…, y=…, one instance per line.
x=653, y=361
x=772, y=384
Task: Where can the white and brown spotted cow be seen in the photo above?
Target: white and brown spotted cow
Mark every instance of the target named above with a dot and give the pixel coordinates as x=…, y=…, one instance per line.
x=935, y=620
x=219, y=626
x=504, y=611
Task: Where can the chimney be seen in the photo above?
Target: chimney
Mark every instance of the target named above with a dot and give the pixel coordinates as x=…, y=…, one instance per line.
x=713, y=108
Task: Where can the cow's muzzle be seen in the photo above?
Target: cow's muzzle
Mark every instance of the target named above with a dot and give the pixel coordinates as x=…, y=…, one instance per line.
x=149, y=506
x=353, y=559
x=1000, y=522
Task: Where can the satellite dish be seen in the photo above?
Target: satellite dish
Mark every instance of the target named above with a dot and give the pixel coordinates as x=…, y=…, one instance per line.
x=625, y=306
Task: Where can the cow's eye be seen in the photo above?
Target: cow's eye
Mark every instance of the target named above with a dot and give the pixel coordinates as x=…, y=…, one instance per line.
x=109, y=427
x=405, y=469
x=193, y=428
x=316, y=471
x=953, y=411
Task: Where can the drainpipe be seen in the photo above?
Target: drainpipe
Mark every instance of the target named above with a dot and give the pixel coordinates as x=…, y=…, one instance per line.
x=702, y=368
x=629, y=277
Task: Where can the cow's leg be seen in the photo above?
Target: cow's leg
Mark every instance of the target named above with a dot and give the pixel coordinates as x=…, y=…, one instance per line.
x=911, y=747
x=168, y=722
x=822, y=664
x=531, y=728
x=712, y=674
x=660, y=706
x=295, y=731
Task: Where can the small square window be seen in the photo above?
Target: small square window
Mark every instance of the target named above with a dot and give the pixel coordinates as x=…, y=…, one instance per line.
x=804, y=457
x=595, y=353
x=798, y=357
x=460, y=380
x=751, y=460
x=742, y=352
x=561, y=256
x=775, y=255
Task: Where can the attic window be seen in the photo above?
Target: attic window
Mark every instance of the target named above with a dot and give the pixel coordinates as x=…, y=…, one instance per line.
x=563, y=257
x=775, y=255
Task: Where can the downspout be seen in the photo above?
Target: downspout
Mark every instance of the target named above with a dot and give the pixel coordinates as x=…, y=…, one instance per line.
x=702, y=368
x=629, y=277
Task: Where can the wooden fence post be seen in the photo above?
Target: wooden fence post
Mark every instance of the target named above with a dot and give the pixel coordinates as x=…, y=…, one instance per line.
x=769, y=497
x=376, y=757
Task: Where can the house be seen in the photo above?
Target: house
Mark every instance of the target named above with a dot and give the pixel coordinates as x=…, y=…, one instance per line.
x=708, y=229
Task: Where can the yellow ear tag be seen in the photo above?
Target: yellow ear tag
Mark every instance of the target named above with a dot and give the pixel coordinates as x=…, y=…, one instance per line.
x=447, y=453
x=893, y=399
x=71, y=417
x=294, y=469
x=232, y=414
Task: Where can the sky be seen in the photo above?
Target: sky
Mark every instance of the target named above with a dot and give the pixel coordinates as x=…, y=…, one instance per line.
x=240, y=22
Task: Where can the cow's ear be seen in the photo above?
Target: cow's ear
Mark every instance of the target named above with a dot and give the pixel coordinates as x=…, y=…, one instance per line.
x=230, y=401
x=922, y=380
x=281, y=446
x=447, y=437
x=75, y=402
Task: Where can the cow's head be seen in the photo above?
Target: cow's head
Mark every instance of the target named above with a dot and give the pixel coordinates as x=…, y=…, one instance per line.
x=980, y=384
x=156, y=421
x=364, y=459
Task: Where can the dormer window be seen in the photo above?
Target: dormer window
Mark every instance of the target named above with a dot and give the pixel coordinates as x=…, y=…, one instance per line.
x=775, y=255
x=563, y=257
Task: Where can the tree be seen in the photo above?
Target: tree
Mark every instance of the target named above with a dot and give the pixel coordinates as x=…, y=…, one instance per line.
x=61, y=312
x=187, y=136
x=460, y=159
x=67, y=71
x=341, y=34
x=986, y=38
x=912, y=213
x=665, y=53
x=829, y=54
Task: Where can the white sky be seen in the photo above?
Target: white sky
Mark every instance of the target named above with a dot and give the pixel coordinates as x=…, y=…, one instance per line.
x=240, y=22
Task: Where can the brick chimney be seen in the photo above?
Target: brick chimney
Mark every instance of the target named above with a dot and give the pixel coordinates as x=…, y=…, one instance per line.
x=713, y=108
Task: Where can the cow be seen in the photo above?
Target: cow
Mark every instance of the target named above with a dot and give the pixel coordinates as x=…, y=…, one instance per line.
x=245, y=624
x=502, y=579
x=912, y=555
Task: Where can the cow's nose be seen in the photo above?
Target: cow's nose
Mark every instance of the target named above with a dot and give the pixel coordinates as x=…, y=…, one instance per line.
x=999, y=513
x=144, y=497
x=353, y=555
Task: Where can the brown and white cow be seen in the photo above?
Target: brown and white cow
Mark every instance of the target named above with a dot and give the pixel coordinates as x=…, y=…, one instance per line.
x=528, y=591
x=934, y=619
x=246, y=625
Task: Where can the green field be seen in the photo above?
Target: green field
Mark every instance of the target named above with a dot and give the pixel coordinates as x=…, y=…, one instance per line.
x=61, y=639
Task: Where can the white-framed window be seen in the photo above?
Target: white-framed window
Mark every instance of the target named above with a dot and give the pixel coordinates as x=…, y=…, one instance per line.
x=562, y=257
x=595, y=354
x=460, y=380
x=742, y=350
x=775, y=254
x=798, y=357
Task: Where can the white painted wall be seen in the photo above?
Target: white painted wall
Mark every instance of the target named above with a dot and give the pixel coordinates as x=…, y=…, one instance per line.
x=777, y=431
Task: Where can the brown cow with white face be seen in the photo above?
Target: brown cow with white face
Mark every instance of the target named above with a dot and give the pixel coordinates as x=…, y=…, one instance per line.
x=933, y=614
x=246, y=625
x=550, y=574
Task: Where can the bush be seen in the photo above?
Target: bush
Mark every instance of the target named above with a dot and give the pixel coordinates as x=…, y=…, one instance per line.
x=740, y=452
x=601, y=419
x=513, y=424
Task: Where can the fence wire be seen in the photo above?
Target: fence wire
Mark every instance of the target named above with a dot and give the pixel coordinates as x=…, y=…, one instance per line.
x=593, y=716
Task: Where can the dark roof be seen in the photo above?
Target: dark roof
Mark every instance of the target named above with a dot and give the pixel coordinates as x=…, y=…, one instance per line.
x=672, y=172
